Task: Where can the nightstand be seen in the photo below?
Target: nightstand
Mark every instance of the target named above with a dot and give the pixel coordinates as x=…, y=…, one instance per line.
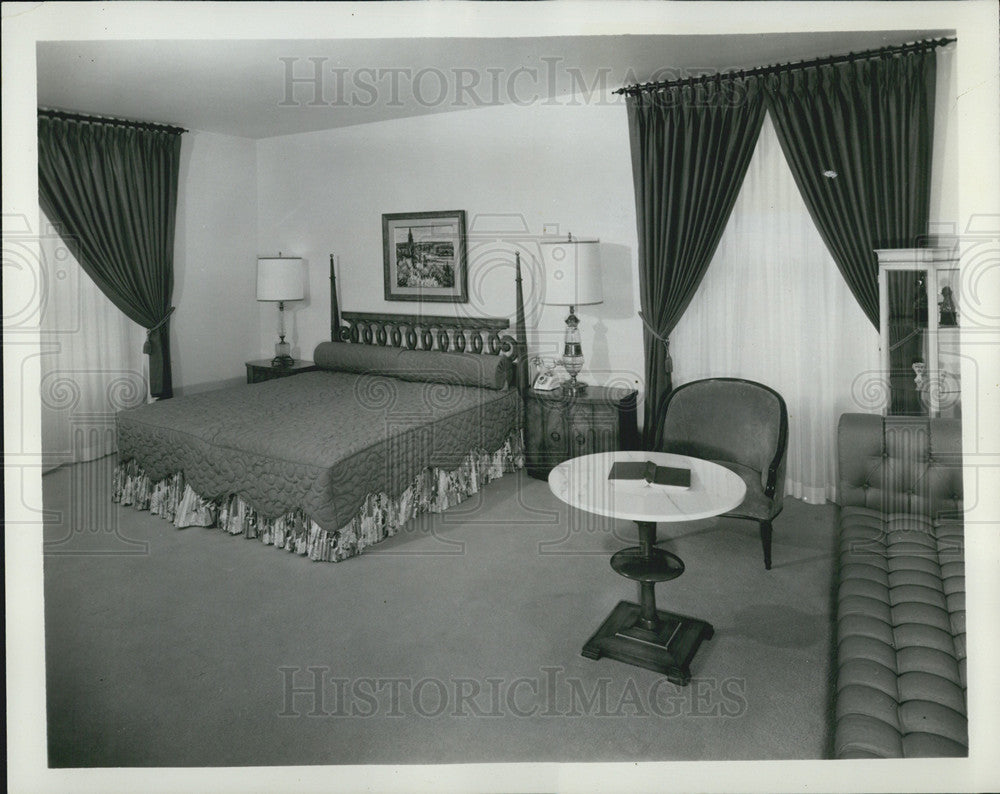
x=259, y=371
x=561, y=425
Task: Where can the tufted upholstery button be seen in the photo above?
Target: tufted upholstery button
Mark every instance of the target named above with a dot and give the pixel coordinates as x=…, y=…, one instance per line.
x=866, y=485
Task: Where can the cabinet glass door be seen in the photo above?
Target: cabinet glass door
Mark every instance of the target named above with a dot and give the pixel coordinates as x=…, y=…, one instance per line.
x=918, y=329
x=907, y=342
x=949, y=360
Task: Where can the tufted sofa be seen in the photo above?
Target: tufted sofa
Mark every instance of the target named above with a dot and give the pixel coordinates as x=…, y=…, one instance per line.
x=901, y=678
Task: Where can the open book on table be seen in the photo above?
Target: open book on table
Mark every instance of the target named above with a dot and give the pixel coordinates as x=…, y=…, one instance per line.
x=651, y=473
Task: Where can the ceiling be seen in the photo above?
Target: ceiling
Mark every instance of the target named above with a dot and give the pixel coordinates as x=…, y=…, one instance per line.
x=267, y=88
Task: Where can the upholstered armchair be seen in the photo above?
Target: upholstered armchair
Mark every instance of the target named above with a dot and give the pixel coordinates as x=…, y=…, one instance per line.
x=736, y=423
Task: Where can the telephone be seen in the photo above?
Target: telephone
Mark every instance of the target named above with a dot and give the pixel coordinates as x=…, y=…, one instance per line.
x=546, y=382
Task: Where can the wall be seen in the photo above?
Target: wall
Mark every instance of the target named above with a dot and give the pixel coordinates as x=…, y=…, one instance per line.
x=944, y=212
x=512, y=169
x=214, y=328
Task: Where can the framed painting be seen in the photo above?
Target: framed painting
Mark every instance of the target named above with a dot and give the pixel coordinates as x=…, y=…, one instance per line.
x=424, y=256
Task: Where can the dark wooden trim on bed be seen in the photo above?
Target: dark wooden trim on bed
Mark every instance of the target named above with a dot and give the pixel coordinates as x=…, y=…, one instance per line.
x=334, y=303
x=492, y=323
x=521, y=335
x=436, y=332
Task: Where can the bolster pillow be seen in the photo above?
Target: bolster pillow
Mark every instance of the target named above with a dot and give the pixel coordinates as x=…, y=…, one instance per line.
x=346, y=357
x=464, y=369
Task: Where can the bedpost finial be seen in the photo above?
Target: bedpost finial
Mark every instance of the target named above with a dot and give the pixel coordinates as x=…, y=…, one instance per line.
x=520, y=331
x=335, y=333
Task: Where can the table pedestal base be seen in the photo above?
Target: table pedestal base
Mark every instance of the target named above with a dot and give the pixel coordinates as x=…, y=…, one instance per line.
x=641, y=634
x=668, y=648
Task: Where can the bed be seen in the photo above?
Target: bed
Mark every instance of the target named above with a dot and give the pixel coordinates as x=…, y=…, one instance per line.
x=406, y=414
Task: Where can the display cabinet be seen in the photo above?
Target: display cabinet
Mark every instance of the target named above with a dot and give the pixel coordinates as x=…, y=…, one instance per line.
x=919, y=317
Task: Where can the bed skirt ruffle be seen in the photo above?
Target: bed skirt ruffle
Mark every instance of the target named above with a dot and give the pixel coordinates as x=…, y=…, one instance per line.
x=433, y=490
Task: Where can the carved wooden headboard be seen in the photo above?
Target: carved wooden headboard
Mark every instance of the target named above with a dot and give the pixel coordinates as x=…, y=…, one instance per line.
x=433, y=332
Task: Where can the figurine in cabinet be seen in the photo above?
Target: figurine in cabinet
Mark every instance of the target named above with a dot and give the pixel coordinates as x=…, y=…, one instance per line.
x=920, y=303
x=946, y=306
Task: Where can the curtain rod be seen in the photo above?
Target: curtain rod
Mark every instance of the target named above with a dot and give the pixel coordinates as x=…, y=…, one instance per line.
x=787, y=67
x=142, y=125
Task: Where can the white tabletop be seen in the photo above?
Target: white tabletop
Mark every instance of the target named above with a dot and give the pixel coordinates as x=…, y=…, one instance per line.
x=583, y=482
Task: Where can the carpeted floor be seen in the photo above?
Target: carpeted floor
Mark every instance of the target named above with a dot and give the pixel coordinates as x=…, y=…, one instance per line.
x=456, y=641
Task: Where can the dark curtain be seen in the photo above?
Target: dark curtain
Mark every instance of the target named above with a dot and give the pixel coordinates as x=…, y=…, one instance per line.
x=112, y=189
x=691, y=146
x=858, y=136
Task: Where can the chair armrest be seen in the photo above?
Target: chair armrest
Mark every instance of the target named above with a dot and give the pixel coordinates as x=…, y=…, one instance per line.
x=773, y=480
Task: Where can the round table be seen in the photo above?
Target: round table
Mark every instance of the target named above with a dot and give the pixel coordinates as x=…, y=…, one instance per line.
x=641, y=634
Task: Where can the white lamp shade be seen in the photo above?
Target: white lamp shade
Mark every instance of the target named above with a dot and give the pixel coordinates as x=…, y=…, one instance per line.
x=279, y=278
x=572, y=272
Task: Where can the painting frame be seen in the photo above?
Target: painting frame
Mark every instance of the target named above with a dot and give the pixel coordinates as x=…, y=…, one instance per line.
x=442, y=274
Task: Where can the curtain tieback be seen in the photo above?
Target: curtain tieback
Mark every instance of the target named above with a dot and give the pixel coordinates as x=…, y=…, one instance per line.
x=149, y=331
x=667, y=361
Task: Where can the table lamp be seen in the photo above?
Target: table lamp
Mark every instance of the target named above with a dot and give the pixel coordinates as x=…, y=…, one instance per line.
x=572, y=278
x=279, y=278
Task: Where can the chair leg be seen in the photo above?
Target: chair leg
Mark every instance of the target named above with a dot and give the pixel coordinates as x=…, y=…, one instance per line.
x=765, y=541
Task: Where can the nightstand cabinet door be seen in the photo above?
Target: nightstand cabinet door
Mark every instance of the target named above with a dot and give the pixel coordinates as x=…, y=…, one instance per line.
x=261, y=374
x=259, y=371
x=606, y=429
x=546, y=435
x=582, y=432
x=562, y=425
x=554, y=422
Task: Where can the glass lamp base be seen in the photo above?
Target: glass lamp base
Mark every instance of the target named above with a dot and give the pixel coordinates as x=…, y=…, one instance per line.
x=282, y=355
x=572, y=362
x=572, y=358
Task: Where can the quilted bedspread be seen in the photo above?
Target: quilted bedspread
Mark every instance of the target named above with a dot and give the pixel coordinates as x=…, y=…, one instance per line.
x=319, y=441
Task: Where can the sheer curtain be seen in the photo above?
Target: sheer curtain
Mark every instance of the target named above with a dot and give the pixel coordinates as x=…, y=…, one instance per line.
x=774, y=308
x=92, y=363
